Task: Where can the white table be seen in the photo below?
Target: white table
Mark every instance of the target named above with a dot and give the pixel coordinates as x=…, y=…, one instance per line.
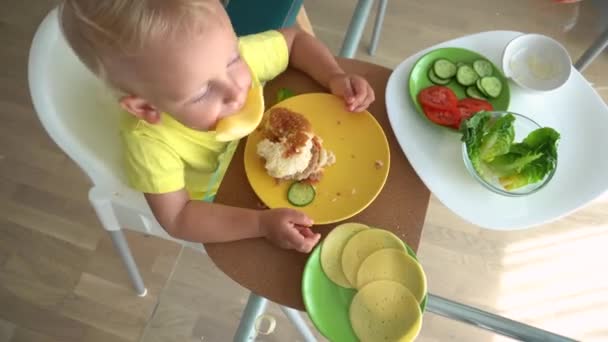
x=575, y=110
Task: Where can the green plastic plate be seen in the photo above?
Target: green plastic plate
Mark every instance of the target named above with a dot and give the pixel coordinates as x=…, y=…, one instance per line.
x=328, y=304
x=419, y=77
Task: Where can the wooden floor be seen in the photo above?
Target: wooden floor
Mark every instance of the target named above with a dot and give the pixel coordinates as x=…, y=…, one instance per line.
x=60, y=279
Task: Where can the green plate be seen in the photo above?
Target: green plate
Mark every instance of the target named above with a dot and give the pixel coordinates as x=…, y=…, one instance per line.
x=327, y=304
x=419, y=77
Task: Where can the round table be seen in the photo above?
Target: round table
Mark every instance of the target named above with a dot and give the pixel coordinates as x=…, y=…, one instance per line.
x=275, y=273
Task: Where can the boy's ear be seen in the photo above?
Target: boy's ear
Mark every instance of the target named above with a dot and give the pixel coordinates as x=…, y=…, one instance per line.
x=140, y=108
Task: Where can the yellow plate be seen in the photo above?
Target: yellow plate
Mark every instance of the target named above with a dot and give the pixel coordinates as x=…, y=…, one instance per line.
x=349, y=185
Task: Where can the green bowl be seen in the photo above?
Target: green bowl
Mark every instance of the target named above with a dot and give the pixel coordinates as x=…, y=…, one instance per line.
x=419, y=77
x=328, y=304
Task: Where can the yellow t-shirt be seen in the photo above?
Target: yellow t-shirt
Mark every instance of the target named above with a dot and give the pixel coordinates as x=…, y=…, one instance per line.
x=169, y=156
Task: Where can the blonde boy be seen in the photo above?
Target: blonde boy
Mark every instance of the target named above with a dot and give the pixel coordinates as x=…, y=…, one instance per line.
x=182, y=57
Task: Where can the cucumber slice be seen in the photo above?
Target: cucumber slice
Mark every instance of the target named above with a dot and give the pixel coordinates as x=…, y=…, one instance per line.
x=483, y=68
x=436, y=79
x=491, y=86
x=301, y=194
x=481, y=89
x=466, y=75
x=284, y=93
x=444, y=68
x=473, y=92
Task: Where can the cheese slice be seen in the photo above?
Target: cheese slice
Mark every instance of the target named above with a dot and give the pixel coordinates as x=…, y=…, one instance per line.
x=396, y=265
x=385, y=310
x=362, y=245
x=331, y=251
x=244, y=122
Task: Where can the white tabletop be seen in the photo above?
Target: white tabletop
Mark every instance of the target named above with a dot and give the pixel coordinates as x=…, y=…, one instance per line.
x=575, y=110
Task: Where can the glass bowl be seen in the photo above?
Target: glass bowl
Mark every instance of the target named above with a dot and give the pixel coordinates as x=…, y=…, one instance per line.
x=522, y=126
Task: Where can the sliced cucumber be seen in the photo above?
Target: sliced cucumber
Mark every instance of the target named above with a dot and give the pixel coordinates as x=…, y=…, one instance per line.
x=466, y=75
x=481, y=90
x=436, y=79
x=301, y=194
x=444, y=68
x=473, y=92
x=491, y=86
x=284, y=93
x=483, y=68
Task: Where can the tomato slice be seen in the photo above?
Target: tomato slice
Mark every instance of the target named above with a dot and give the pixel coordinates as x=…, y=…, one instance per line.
x=444, y=117
x=438, y=97
x=467, y=107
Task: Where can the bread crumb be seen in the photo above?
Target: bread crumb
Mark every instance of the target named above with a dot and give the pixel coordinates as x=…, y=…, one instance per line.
x=352, y=156
x=334, y=199
x=339, y=122
x=378, y=164
x=338, y=194
x=261, y=205
x=353, y=191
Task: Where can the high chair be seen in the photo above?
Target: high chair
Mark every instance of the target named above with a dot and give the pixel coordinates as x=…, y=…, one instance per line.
x=82, y=117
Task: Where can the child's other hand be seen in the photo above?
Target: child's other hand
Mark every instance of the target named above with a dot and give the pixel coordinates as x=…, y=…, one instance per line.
x=289, y=229
x=355, y=90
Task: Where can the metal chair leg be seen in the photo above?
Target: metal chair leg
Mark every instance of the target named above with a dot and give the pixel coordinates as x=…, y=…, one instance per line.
x=122, y=247
x=378, y=26
x=297, y=320
x=355, y=28
x=593, y=51
x=489, y=321
x=254, y=308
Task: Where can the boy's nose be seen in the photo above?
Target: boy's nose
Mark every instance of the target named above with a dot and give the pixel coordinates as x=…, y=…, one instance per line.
x=232, y=93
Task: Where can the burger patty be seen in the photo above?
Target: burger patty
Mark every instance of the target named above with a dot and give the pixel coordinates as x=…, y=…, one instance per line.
x=320, y=158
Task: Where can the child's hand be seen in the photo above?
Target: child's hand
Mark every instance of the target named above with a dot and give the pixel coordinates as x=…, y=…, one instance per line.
x=355, y=90
x=289, y=229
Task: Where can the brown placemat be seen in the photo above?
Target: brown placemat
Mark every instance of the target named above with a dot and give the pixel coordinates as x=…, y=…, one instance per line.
x=276, y=274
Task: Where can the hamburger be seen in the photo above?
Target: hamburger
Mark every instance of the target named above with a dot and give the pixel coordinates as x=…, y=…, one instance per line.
x=290, y=148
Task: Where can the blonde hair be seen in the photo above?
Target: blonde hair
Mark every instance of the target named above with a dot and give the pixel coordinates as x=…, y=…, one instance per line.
x=98, y=30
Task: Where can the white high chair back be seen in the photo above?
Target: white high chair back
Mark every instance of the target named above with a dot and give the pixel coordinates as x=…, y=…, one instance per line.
x=82, y=116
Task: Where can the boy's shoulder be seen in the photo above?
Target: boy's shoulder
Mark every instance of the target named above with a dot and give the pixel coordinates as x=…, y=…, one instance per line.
x=266, y=53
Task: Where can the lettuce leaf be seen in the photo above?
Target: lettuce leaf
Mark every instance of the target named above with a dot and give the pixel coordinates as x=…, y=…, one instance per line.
x=510, y=163
x=473, y=130
x=532, y=167
x=498, y=139
x=493, y=153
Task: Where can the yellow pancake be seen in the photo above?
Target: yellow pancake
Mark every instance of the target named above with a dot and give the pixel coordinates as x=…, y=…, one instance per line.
x=396, y=265
x=361, y=246
x=331, y=251
x=238, y=125
x=385, y=310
